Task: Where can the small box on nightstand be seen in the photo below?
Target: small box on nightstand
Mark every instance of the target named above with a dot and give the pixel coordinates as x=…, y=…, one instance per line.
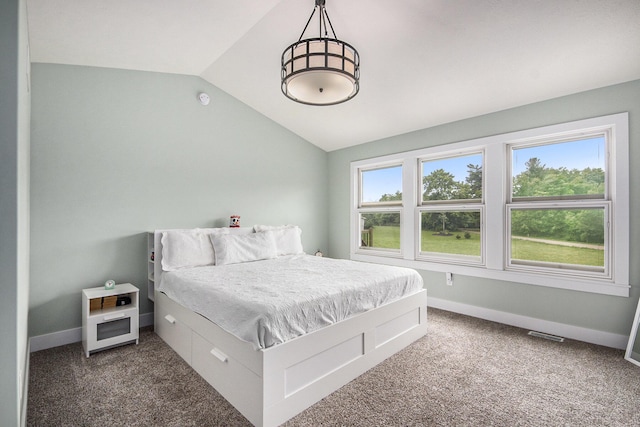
x=109, y=302
x=95, y=304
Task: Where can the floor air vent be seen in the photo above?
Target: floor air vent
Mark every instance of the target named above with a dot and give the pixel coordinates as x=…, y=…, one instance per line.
x=546, y=336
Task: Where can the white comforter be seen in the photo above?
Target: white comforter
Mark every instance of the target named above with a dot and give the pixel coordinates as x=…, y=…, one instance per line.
x=269, y=302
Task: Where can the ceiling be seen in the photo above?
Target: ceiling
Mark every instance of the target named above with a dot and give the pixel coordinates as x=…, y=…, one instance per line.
x=423, y=62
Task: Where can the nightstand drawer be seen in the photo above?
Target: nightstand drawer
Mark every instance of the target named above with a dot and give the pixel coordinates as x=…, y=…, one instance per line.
x=116, y=327
x=113, y=328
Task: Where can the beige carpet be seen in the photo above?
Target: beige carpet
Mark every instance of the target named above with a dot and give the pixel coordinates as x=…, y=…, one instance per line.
x=465, y=372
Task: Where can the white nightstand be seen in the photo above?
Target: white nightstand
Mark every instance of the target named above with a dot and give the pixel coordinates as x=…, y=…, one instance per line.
x=109, y=317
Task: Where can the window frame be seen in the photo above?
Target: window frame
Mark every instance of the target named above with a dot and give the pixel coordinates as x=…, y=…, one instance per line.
x=362, y=207
x=497, y=177
x=562, y=268
x=445, y=257
x=537, y=142
x=390, y=252
x=362, y=204
x=561, y=202
x=449, y=205
x=422, y=202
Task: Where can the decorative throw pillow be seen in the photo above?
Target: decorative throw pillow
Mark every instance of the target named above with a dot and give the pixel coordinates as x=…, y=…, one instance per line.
x=188, y=248
x=236, y=248
x=287, y=237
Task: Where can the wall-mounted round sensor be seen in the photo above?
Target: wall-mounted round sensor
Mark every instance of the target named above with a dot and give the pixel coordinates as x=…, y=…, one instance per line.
x=204, y=98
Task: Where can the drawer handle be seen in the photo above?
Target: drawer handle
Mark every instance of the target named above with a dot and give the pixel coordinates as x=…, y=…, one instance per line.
x=219, y=355
x=114, y=316
x=170, y=319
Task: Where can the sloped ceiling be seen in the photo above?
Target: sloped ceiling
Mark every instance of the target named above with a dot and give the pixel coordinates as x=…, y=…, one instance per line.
x=423, y=62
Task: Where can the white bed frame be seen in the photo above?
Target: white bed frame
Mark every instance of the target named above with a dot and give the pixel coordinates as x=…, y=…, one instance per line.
x=272, y=385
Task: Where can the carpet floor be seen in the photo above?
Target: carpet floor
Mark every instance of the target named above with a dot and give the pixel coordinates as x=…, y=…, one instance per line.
x=464, y=372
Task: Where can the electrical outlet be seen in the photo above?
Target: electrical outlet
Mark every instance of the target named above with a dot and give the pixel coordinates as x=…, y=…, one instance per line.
x=449, y=279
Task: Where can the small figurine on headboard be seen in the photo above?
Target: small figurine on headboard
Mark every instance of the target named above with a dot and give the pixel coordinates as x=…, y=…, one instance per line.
x=234, y=222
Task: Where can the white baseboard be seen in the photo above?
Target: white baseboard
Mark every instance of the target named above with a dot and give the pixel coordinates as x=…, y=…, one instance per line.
x=578, y=333
x=70, y=336
x=607, y=339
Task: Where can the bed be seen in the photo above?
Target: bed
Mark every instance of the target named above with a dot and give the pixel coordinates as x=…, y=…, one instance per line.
x=268, y=363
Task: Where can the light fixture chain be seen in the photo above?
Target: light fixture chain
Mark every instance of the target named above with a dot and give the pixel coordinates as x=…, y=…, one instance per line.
x=322, y=21
x=330, y=26
x=305, y=27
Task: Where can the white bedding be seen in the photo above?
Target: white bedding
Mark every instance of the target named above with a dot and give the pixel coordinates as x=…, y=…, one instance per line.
x=271, y=301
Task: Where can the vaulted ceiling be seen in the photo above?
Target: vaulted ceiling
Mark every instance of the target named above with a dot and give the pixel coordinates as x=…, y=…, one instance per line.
x=423, y=62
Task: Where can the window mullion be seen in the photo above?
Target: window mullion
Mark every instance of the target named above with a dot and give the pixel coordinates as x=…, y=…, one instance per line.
x=410, y=173
x=494, y=174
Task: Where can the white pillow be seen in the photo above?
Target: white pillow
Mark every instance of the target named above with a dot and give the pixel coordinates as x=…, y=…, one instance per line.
x=188, y=248
x=236, y=248
x=258, y=228
x=288, y=241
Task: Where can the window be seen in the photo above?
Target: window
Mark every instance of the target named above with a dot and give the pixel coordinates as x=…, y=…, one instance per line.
x=560, y=170
x=379, y=203
x=454, y=178
x=454, y=234
x=449, y=229
x=558, y=211
x=546, y=206
x=559, y=238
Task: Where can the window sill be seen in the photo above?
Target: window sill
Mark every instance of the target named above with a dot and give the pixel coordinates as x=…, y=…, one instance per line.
x=603, y=287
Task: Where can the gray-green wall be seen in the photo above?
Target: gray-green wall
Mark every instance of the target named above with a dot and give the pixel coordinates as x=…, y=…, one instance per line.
x=14, y=211
x=116, y=153
x=602, y=313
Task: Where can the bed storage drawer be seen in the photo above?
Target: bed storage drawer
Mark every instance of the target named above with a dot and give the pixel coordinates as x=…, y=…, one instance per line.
x=170, y=327
x=216, y=367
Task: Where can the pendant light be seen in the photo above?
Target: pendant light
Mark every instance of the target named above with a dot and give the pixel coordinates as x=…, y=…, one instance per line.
x=321, y=70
